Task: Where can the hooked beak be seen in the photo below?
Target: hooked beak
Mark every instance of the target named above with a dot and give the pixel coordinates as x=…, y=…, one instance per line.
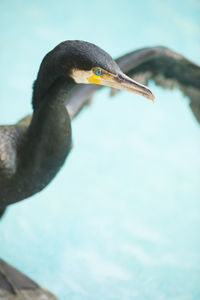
x=116, y=80
x=123, y=82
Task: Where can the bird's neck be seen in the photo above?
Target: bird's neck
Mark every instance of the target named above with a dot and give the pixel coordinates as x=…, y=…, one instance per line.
x=48, y=138
x=50, y=133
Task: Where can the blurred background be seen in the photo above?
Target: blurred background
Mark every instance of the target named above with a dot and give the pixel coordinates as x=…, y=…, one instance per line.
x=121, y=220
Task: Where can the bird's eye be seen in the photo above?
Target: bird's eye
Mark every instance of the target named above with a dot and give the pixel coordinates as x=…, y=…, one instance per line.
x=98, y=71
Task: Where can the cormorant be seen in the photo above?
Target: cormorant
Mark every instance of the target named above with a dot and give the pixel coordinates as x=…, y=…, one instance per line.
x=33, y=150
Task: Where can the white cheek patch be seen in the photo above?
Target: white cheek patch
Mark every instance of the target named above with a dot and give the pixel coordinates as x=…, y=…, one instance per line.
x=80, y=76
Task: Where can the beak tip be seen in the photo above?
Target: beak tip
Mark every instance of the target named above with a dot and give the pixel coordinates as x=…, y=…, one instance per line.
x=150, y=95
x=153, y=98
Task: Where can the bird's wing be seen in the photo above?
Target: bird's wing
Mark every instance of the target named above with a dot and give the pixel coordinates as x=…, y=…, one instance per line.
x=15, y=285
x=166, y=67
x=79, y=97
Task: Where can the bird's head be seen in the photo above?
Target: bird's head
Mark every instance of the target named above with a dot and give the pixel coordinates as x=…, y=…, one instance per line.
x=87, y=63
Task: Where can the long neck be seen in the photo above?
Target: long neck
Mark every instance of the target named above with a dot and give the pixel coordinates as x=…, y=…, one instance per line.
x=47, y=141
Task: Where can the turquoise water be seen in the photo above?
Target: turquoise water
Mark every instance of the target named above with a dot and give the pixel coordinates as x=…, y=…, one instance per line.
x=121, y=220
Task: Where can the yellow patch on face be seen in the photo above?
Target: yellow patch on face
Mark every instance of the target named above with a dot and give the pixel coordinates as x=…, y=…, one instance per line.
x=94, y=79
x=97, y=79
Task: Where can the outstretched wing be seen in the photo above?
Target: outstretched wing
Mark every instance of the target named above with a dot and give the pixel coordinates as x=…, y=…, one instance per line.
x=167, y=68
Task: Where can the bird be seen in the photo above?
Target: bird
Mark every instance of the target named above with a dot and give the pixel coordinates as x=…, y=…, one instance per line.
x=33, y=150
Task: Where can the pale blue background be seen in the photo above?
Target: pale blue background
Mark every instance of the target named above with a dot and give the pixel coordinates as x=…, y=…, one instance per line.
x=121, y=220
